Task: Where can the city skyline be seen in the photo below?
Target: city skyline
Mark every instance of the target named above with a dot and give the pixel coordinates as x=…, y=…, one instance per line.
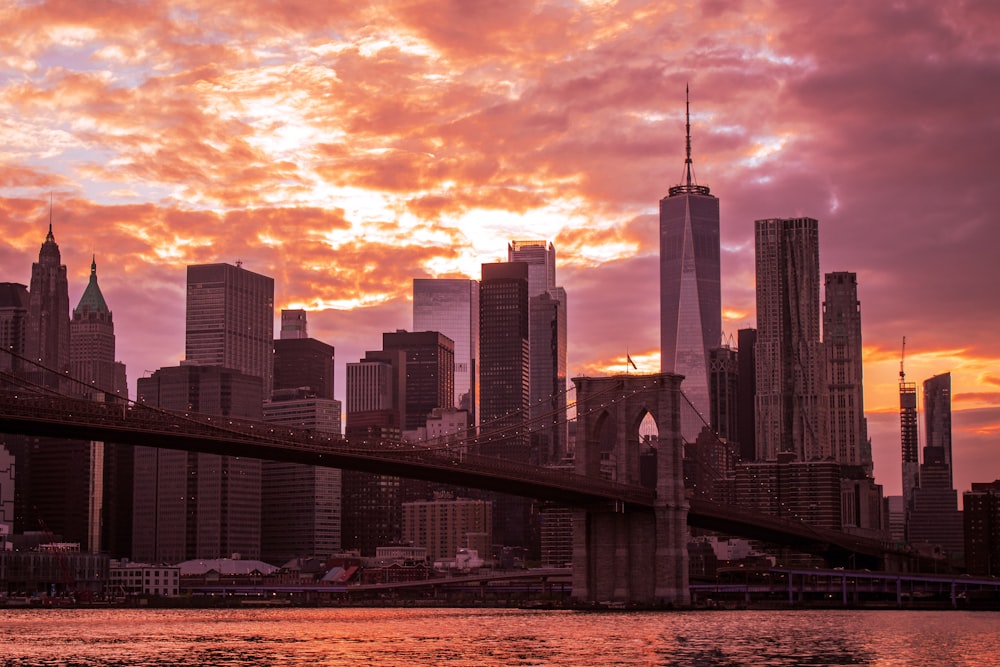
x=348, y=158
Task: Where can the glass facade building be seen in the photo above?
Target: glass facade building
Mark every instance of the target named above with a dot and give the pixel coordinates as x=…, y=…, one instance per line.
x=452, y=308
x=690, y=296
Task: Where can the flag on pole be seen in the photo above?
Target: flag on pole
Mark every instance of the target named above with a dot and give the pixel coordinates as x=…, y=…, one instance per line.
x=629, y=357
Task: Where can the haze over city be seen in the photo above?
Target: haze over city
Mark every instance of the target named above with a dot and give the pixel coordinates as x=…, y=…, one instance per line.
x=345, y=150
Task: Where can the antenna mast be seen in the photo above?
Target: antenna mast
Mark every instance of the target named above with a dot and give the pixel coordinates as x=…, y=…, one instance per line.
x=688, y=185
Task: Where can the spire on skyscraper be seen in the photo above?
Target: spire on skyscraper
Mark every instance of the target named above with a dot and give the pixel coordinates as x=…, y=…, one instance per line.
x=92, y=299
x=688, y=185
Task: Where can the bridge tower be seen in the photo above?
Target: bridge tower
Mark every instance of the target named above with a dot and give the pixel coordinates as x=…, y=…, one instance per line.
x=623, y=554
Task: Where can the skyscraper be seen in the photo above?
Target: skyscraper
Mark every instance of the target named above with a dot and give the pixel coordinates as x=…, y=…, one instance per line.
x=193, y=505
x=909, y=444
x=228, y=371
x=937, y=418
x=92, y=360
x=504, y=360
x=429, y=371
x=690, y=291
x=547, y=356
x=301, y=504
x=842, y=342
x=47, y=336
x=935, y=518
x=13, y=325
x=451, y=306
x=230, y=320
x=791, y=404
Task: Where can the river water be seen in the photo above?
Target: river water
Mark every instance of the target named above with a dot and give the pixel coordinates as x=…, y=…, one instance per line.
x=478, y=637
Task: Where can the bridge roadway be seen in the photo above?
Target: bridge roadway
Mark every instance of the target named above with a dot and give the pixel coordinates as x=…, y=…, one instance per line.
x=136, y=424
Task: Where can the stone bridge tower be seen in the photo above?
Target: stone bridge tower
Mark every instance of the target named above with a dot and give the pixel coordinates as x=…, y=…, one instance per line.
x=624, y=554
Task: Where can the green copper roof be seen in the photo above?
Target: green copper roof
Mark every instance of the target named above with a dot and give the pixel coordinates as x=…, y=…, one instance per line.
x=92, y=299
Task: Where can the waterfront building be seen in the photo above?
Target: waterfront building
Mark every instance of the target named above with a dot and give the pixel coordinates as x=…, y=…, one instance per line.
x=690, y=289
x=791, y=413
x=844, y=374
x=451, y=306
x=193, y=505
x=130, y=580
x=443, y=525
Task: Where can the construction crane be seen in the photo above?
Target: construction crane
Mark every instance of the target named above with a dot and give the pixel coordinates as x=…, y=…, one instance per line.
x=902, y=358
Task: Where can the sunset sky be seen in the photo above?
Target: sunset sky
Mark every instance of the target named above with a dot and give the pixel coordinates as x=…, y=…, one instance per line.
x=345, y=148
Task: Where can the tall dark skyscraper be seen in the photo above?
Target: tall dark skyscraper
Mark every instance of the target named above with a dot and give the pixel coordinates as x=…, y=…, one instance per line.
x=230, y=320
x=842, y=342
x=504, y=359
x=690, y=290
x=909, y=445
x=92, y=360
x=47, y=335
x=547, y=356
x=228, y=371
x=790, y=363
x=301, y=362
x=430, y=372
x=192, y=505
x=746, y=388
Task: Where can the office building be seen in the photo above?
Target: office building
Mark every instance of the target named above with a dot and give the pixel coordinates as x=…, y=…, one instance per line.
x=300, y=504
x=935, y=521
x=844, y=375
x=445, y=525
x=547, y=350
x=690, y=290
x=191, y=505
x=47, y=331
x=724, y=391
x=429, y=371
x=451, y=306
x=13, y=326
x=981, y=514
x=504, y=360
x=92, y=362
x=791, y=414
x=303, y=363
x=746, y=390
x=230, y=320
x=58, y=482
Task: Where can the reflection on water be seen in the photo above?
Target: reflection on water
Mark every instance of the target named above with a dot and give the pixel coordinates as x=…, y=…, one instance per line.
x=458, y=637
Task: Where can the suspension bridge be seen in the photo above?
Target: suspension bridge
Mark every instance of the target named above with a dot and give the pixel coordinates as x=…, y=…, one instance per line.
x=614, y=518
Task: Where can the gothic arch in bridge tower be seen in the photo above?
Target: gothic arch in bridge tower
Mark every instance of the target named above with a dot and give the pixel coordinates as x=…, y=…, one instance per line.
x=621, y=553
